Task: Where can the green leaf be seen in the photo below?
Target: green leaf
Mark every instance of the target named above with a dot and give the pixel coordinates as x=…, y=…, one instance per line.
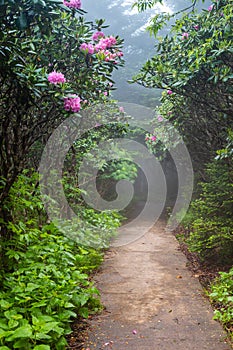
x=61, y=344
x=4, y=348
x=3, y=324
x=41, y=336
x=5, y=304
x=32, y=286
x=42, y=2
x=21, y=21
x=49, y=326
x=12, y=314
x=39, y=304
x=45, y=318
x=4, y=334
x=41, y=347
x=84, y=312
x=68, y=305
x=83, y=298
x=21, y=332
x=20, y=344
x=13, y=323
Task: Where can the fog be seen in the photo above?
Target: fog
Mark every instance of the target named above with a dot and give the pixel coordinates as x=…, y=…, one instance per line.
x=138, y=45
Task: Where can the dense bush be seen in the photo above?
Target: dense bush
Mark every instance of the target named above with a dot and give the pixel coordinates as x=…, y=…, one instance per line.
x=193, y=64
x=52, y=63
x=44, y=274
x=210, y=216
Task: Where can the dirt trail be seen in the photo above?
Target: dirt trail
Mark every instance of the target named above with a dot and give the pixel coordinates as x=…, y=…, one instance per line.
x=152, y=301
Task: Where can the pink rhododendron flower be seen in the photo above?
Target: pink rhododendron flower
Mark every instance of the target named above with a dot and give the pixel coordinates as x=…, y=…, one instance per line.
x=210, y=8
x=109, y=56
x=150, y=138
x=97, y=35
x=72, y=103
x=105, y=43
x=196, y=27
x=169, y=92
x=101, y=46
x=160, y=118
x=120, y=54
x=110, y=41
x=56, y=78
x=121, y=109
x=89, y=48
x=105, y=93
x=153, y=138
x=185, y=36
x=75, y=4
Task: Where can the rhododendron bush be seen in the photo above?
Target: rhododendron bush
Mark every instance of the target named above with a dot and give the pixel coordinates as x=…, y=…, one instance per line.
x=193, y=65
x=52, y=63
x=50, y=71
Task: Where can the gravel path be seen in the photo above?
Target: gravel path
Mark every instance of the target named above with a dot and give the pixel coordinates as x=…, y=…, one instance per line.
x=152, y=301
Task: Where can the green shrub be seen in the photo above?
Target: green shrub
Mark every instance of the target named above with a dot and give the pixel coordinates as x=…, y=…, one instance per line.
x=221, y=295
x=210, y=217
x=44, y=290
x=44, y=275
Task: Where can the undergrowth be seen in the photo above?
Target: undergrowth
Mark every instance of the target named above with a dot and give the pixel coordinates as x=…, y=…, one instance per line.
x=44, y=274
x=221, y=295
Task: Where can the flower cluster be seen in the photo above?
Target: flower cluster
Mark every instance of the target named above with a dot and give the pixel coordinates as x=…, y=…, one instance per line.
x=185, y=36
x=97, y=35
x=101, y=47
x=75, y=4
x=169, y=92
x=88, y=48
x=151, y=138
x=105, y=43
x=56, y=78
x=108, y=55
x=159, y=118
x=72, y=103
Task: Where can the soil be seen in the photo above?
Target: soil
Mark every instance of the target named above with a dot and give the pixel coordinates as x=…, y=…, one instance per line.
x=152, y=301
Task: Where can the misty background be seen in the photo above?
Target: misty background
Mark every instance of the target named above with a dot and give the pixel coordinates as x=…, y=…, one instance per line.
x=138, y=44
x=138, y=47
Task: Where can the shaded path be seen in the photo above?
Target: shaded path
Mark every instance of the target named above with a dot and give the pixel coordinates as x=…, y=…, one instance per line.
x=152, y=301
